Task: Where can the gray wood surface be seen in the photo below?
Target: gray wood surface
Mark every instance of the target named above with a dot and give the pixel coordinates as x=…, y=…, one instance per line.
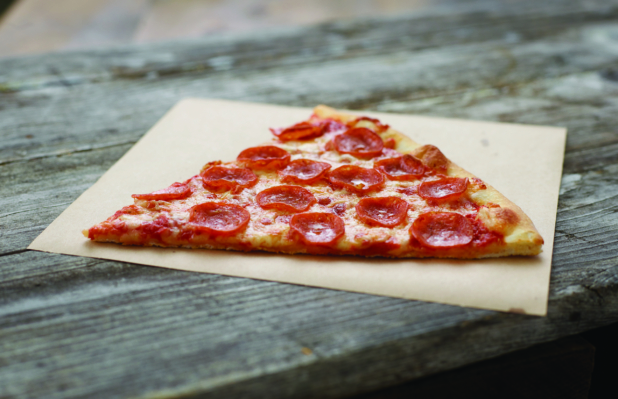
x=75, y=327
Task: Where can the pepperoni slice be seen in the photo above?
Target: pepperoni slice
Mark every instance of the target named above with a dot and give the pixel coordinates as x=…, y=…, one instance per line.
x=445, y=189
x=286, y=198
x=174, y=192
x=360, y=142
x=381, y=127
x=401, y=168
x=356, y=179
x=382, y=211
x=299, y=131
x=339, y=209
x=318, y=228
x=333, y=126
x=218, y=218
x=265, y=157
x=442, y=230
x=305, y=171
x=219, y=177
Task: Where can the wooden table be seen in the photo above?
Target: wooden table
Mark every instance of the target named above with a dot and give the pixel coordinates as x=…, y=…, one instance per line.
x=78, y=327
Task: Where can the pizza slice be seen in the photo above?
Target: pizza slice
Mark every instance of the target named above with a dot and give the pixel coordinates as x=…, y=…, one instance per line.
x=335, y=184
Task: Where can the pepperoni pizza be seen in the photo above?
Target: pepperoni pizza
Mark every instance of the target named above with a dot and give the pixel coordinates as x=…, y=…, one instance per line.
x=334, y=184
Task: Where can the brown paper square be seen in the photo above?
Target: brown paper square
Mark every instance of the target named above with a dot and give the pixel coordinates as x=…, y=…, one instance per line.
x=523, y=162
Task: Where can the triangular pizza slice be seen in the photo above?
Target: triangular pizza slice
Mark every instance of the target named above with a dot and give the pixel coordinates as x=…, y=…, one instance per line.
x=334, y=184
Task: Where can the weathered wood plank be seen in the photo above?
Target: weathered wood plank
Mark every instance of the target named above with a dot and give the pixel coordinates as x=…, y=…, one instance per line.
x=480, y=22
x=214, y=331
x=554, y=370
x=35, y=192
x=37, y=26
x=196, y=18
x=462, y=69
x=75, y=327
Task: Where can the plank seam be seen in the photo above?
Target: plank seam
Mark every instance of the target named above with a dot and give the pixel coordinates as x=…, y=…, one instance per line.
x=67, y=152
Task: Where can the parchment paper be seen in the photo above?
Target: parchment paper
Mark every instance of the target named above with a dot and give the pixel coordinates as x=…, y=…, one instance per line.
x=523, y=162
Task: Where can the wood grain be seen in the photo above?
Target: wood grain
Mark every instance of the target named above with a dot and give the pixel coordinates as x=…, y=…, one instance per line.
x=167, y=20
x=75, y=327
x=554, y=370
x=39, y=26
